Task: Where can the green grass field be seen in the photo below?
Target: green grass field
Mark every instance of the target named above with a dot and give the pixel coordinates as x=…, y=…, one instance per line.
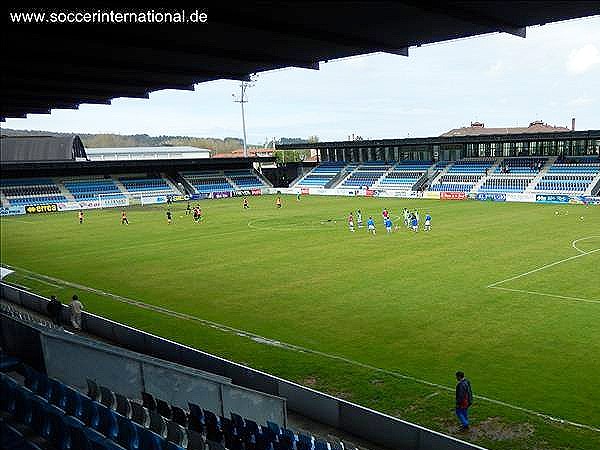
x=372, y=317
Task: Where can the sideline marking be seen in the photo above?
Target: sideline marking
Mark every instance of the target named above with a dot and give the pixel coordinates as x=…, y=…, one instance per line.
x=292, y=347
x=548, y=295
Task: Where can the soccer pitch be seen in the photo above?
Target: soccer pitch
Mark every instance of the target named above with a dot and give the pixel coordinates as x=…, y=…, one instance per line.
x=507, y=292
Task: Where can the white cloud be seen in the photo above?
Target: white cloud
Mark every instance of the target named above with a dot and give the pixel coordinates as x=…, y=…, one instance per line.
x=583, y=59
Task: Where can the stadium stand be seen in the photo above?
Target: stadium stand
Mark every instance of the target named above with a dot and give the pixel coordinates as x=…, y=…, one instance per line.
x=31, y=191
x=463, y=175
x=43, y=412
x=404, y=175
x=321, y=175
x=245, y=179
x=146, y=185
x=505, y=184
x=521, y=165
x=89, y=188
x=569, y=175
x=366, y=174
x=208, y=181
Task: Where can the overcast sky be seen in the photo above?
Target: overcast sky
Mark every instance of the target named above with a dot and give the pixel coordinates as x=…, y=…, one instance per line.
x=498, y=79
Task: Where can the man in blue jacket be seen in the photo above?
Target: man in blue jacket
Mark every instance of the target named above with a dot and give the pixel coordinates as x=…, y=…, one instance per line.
x=464, y=399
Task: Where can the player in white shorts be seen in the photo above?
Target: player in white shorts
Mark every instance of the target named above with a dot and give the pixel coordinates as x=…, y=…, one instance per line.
x=427, y=222
x=371, y=225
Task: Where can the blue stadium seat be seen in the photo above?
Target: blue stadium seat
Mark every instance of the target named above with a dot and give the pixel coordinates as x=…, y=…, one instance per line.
x=107, y=422
x=128, y=434
x=197, y=420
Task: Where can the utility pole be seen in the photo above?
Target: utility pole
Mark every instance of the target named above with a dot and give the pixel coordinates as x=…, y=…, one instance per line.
x=243, y=99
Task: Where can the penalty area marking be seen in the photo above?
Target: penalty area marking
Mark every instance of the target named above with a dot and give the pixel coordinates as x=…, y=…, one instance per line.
x=296, y=348
x=581, y=253
x=582, y=239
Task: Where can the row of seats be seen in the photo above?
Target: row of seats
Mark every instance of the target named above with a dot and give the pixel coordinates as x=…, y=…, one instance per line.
x=236, y=432
x=43, y=424
x=99, y=187
x=568, y=177
x=322, y=174
x=145, y=184
x=506, y=184
x=460, y=178
x=248, y=181
x=452, y=187
x=562, y=186
x=362, y=177
x=31, y=191
x=469, y=168
x=66, y=405
x=574, y=169
x=207, y=188
x=524, y=162
x=37, y=200
x=207, y=182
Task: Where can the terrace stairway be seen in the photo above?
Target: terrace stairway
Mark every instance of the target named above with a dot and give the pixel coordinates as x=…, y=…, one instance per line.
x=594, y=188
x=187, y=186
x=342, y=176
x=490, y=172
x=442, y=173
x=63, y=190
x=119, y=185
x=171, y=184
x=541, y=173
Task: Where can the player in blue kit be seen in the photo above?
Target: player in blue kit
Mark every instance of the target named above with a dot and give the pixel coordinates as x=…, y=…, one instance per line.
x=388, y=224
x=427, y=222
x=371, y=225
x=415, y=223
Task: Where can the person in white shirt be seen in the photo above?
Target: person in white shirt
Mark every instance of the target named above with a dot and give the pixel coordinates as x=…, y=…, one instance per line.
x=76, y=308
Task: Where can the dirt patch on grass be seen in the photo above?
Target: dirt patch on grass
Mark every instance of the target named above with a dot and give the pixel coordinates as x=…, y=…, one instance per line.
x=492, y=428
x=310, y=381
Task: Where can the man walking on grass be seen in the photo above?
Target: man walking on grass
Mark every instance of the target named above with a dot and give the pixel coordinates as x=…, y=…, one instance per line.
x=464, y=399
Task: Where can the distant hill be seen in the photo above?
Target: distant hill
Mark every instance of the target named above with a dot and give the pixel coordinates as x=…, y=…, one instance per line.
x=141, y=140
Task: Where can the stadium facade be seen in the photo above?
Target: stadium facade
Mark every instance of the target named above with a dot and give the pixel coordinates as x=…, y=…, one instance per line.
x=475, y=141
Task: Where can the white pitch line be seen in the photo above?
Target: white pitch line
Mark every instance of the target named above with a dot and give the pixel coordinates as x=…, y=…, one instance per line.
x=547, y=295
x=544, y=267
x=581, y=239
x=260, y=339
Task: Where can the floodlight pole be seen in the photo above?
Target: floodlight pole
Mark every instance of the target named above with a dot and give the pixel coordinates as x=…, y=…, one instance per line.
x=243, y=85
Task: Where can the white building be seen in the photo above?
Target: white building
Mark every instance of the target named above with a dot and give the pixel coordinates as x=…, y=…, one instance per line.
x=139, y=153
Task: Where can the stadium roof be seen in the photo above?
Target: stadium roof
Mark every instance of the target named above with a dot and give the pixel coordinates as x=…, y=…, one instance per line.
x=162, y=149
x=479, y=129
x=50, y=65
x=41, y=148
x=463, y=139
